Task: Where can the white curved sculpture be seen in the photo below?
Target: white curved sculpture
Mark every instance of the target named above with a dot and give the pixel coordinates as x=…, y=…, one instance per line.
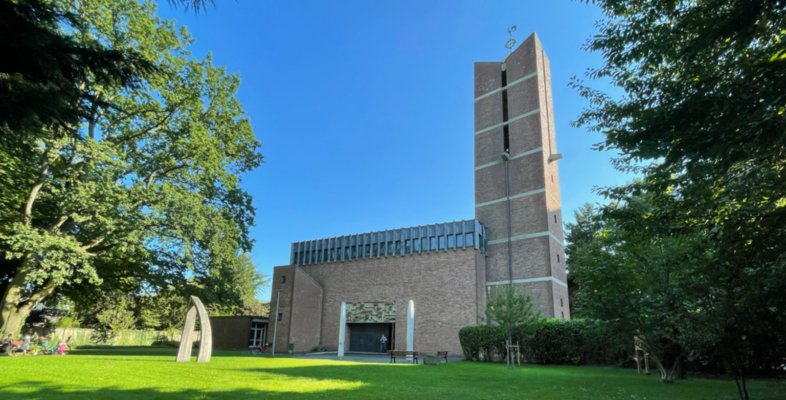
x=205, y=334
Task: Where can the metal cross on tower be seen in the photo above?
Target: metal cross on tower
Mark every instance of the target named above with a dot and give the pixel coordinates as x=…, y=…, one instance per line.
x=511, y=43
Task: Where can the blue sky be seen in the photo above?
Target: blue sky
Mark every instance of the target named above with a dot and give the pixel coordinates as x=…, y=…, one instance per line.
x=365, y=108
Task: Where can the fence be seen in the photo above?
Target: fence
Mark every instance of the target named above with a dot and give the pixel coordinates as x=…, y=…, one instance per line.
x=131, y=337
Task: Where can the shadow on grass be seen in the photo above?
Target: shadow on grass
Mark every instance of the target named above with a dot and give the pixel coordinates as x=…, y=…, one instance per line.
x=148, y=351
x=42, y=391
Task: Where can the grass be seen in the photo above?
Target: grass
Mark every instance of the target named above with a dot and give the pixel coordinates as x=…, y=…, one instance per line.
x=143, y=373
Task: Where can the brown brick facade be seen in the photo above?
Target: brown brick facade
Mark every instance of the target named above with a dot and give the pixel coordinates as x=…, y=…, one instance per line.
x=523, y=213
x=443, y=285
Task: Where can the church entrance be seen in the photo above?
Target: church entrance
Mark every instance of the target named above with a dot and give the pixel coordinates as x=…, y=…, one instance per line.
x=364, y=337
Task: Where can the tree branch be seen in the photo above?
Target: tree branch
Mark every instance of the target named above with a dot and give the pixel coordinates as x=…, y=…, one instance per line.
x=60, y=221
x=28, y=211
x=152, y=127
x=94, y=243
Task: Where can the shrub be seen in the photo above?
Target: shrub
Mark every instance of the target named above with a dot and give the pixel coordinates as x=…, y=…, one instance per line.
x=575, y=342
x=482, y=342
x=68, y=321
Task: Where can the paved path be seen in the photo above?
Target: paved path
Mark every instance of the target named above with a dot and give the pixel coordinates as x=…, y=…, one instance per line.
x=362, y=357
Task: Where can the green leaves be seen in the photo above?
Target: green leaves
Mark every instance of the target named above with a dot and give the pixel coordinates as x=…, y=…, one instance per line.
x=510, y=309
x=52, y=257
x=143, y=188
x=697, y=245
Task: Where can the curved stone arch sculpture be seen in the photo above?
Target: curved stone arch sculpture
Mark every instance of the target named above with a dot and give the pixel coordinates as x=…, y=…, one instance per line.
x=205, y=333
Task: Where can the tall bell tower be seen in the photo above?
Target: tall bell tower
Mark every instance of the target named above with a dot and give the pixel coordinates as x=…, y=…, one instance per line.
x=517, y=193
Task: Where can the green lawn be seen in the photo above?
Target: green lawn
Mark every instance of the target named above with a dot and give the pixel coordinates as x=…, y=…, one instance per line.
x=153, y=374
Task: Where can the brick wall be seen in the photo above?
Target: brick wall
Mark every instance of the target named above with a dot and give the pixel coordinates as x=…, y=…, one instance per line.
x=444, y=286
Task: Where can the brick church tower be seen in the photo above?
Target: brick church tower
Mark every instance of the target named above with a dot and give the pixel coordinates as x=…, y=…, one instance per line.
x=517, y=194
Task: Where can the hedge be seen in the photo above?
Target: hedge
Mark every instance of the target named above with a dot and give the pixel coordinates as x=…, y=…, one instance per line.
x=482, y=342
x=576, y=342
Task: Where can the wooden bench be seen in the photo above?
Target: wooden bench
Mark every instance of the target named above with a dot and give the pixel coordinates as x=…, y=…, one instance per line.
x=401, y=353
x=443, y=355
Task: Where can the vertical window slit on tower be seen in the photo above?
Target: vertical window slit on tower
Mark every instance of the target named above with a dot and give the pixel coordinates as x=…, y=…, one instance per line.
x=506, y=132
x=506, y=139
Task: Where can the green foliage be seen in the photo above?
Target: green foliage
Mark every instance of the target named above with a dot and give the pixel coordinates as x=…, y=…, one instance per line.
x=40, y=83
x=482, y=342
x=68, y=321
x=510, y=309
x=140, y=192
x=576, y=342
x=116, y=314
x=703, y=119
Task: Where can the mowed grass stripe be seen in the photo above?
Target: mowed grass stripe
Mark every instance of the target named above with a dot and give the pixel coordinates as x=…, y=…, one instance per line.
x=153, y=374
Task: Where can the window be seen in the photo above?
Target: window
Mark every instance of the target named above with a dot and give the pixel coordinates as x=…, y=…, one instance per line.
x=470, y=239
x=354, y=251
x=460, y=240
x=506, y=133
x=407, y=246
x=367, y=253
x=451, y=242
x=280, y=315
x=375, y=250
x=417, y=245
x=560, y=302
x=432, y=243
x=347, y=253
x=442, y=243
x=333, y=254
x=424, y=243
x=324, y=255
x=555, y=218
x=390, y=248
x=283, y=279
x=398, y=247
x=557, y=257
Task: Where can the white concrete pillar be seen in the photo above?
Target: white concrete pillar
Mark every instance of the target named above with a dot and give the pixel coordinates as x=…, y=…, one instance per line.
x=342, y=328
x=410, y=327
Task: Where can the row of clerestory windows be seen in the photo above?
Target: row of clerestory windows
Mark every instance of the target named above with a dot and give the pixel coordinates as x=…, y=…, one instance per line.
x=399, y=242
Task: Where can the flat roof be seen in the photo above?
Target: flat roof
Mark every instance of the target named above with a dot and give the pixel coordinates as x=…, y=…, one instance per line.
x=393, y=242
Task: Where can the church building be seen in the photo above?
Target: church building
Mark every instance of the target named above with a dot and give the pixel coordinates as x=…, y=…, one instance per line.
x=418, y=286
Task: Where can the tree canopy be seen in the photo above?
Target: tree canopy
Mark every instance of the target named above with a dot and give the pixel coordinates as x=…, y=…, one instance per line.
x=702, y=118
x=139, y=188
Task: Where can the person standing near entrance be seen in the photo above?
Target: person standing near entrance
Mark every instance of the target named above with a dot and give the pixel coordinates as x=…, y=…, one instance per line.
x=383, y=343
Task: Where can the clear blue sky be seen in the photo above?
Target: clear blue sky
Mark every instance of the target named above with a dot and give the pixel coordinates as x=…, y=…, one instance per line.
x=365, y=108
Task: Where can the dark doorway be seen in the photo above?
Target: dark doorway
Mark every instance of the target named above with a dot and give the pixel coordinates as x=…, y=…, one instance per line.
x=365, y=337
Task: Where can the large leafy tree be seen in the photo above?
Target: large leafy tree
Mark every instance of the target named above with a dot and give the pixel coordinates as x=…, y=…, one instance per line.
x=636, y=269
x=41, y=73
x=703, y=118
x=143, y=187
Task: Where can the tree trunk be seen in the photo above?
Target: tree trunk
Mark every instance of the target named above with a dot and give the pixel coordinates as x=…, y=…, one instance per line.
x=739, y=379
x=661, y=355
x=9, y=310
x=742, y=388
x=12, y=322
x=666, y=375
x=14, y=307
